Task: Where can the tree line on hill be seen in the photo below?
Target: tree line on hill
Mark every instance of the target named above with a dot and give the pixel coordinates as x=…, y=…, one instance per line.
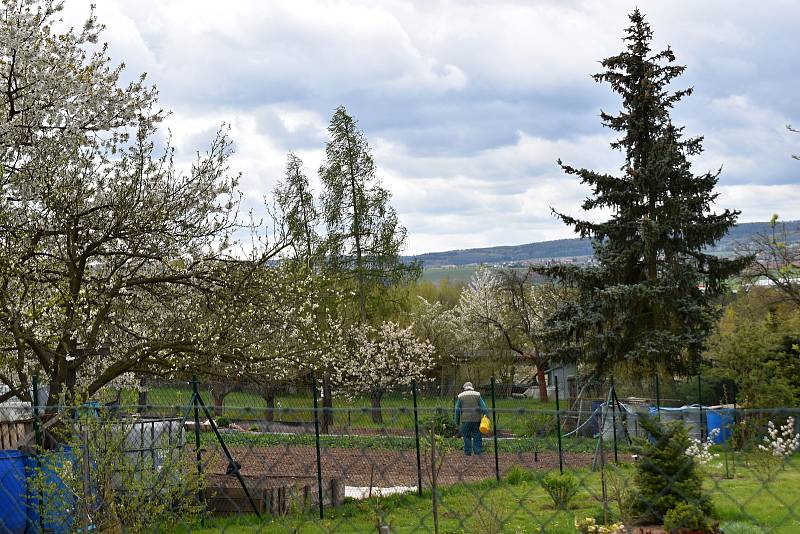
x=732, y=243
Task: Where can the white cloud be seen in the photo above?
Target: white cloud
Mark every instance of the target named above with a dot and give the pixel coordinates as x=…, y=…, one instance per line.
x=466, y=104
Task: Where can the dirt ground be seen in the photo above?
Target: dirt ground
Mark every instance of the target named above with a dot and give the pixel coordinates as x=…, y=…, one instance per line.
x=379, y=468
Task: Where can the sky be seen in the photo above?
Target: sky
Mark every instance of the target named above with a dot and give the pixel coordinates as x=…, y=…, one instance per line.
x=468, y=104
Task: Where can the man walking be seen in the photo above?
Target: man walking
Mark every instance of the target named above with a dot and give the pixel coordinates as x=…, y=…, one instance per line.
x=469, y=409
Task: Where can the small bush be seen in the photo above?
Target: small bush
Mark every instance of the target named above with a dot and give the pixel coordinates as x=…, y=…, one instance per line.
x=254, y=428
x=539, y=425
x=562, y=488
x=517, y=475
x=687, y=517
x=442, y=423
x=618, y=484
x=222, y=422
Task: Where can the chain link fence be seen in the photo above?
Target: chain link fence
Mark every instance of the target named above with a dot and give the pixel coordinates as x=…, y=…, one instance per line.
x=178, y=463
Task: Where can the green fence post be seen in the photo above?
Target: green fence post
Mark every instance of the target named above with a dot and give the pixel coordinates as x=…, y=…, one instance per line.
x=316, y=441
x=494, y=434
x=700, y=403
x=37, y=427
x=658, y=397
x=558, y=428
x=613, y=398
x=198, y=454
x=37, y=422
x=416, y=437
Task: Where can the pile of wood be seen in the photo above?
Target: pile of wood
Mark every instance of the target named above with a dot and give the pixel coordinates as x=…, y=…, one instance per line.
x=273, y=495
x=13, y=433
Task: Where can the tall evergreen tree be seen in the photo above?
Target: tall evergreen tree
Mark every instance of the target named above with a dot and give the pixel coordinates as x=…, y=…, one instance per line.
x=648, y=299
x=296, y=203
x=364, y=237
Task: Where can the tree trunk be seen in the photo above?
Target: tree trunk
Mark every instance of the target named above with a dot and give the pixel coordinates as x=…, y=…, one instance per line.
x=141, y=400
x=377, y=415
x=542, y=384
x=268, y=394
x=327, y=404
x=219, y=390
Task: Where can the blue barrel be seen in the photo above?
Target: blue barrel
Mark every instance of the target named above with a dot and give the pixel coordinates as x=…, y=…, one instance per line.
x=722, y=420
x=13, y=492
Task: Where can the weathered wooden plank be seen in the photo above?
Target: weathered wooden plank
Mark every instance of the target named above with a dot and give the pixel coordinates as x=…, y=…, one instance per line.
x=13, y=433
x=272, y=496
x=4, y=438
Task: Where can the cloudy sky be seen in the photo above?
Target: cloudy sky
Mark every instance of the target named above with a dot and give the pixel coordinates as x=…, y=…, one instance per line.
x=467, y=104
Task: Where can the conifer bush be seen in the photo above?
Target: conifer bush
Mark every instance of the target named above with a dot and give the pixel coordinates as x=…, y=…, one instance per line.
x=666, y=476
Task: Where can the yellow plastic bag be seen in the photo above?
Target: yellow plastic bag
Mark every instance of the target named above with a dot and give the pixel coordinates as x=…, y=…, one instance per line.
x=486, y=426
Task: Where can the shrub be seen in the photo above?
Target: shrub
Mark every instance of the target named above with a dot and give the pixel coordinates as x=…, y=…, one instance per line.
x=618, y=486
x=517, y=475
x=666, y=475
x=687, y=517
x=539, y=425
x=562, y=488
x=254, y=428
x=96, y=475
x=776, y=447
x=442, y=423
x=222, y=422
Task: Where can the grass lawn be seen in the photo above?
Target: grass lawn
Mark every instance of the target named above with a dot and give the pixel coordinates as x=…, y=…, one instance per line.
x=397, y=443
x=744, y=504
x=355, y=412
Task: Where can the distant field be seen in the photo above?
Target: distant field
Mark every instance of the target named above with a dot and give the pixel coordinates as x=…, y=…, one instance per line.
x=461, y=273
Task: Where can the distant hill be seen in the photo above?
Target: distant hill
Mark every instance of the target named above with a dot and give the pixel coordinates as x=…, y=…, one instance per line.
x=576, y=248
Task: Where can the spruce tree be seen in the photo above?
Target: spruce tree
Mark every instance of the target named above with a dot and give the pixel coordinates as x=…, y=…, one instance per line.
x=648, y=299
x=666, y=476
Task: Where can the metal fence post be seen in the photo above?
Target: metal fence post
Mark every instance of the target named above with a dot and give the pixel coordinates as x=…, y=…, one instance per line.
x=494, y=435
x=658, y=397
x=316, y=442
x=37, y=427
x=613, y=397
x=700, y=403
x=195, y=396
x=37, y=422
x=558, y=428
x=416, y=437
x=434, y=485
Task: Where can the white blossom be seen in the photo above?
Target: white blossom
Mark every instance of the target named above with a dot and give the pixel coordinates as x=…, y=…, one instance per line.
x=781, y=442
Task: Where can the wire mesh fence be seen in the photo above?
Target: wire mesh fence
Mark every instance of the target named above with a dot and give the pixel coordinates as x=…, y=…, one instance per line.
x=182, y=466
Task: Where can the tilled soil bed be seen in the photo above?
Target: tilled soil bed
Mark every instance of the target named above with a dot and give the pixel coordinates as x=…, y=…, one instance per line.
x=379, y=468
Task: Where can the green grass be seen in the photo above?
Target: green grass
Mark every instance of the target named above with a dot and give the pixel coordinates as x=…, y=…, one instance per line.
x=459, y=273
x=570, y=445
x=743, y=505
x=348, y=412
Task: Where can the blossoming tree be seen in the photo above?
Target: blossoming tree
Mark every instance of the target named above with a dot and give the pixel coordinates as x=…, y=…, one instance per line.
x=114, y=260
x=379, y=358
x=506, y=308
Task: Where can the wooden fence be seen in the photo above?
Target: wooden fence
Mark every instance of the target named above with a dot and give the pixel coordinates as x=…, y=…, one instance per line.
x=13, y=432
